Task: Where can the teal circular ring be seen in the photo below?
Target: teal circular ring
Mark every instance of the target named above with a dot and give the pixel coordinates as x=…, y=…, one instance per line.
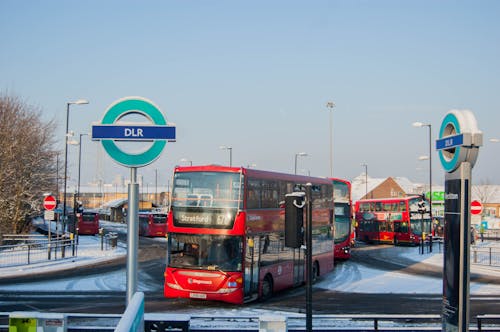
x=130, y=106
x=450, y=165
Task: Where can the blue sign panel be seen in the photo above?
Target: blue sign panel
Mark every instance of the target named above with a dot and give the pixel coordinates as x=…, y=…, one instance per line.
x=450, y=142
x=133, y=132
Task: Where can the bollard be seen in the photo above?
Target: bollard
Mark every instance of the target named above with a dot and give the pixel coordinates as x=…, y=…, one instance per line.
x=101, y=234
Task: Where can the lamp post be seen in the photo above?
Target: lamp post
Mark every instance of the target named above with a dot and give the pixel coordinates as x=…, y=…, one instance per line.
x=223, y=147
x=79, y=162
x=330, y=105
x=301, y=154
x=366, y=178
x=77, y=102
x=184, y=160
x=420, y=124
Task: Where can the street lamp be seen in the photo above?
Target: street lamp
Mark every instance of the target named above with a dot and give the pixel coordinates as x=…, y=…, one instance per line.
x=330, y=105
x=77, y=102
x=79, y=162
x=366, y=178
x=223, y=147
x=184, y=160
x=420, y=124
x=301, y=154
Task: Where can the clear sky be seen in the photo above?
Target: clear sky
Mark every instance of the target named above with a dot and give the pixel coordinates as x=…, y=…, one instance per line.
x=257, y=75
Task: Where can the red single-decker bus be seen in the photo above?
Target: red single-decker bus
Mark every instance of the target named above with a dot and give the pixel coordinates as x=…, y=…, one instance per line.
x=152, y=224
x=88, y=223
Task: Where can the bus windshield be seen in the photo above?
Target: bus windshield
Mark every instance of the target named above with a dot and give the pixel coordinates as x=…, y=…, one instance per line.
x=207, y=189
x=207, y=252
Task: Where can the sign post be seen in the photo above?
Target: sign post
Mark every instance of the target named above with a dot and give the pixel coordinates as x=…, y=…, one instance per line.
x=458, y=147
x=111, y=130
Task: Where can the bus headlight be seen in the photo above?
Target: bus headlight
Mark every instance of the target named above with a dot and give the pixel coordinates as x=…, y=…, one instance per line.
x=174, y=286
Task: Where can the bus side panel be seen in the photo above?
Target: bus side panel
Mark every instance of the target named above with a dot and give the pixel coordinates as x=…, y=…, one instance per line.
x=326, y=263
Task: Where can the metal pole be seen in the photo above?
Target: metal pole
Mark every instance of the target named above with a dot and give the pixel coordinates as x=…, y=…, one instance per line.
x=132, y=234
x=79, y=163
x=331, y=105
x=430, y=177
x=295, y=164
x=230, y=157
x=309, y=257
x=65, y=166
x=156, y=186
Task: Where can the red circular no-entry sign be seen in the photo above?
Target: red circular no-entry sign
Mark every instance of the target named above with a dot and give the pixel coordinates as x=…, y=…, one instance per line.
x=49, y=203
x=476, y=207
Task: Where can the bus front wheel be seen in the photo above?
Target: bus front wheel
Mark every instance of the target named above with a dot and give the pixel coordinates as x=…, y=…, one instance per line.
x=267, y=287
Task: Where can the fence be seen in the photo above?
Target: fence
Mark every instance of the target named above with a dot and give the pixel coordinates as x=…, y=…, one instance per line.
x=155, y=322
x=30, y=249
x=485, y=256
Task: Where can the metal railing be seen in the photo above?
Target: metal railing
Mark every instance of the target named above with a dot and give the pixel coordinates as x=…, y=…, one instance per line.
x=485, y=256
x=295, y=322
x=33, y=248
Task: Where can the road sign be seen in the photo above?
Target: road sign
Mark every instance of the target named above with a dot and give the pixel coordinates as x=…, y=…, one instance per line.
x=111, y=129
x=49, y=215
x=133, y=132
x=49, y=203
x=459, y=139
x=450, y=142
x=476, y=207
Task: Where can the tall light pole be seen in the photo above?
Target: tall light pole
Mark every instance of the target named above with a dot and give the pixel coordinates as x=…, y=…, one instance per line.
x=420, y=124
x=301, y=154
x=79, y=162
x=330, y=105
x=184, y=160
x=366, y=179
x=77, y=102
x=223, y=147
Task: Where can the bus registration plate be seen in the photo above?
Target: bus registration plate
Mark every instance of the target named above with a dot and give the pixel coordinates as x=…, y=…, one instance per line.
x=197, y=295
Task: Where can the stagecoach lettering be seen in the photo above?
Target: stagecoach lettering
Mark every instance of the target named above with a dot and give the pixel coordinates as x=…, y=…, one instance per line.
x=199, y=282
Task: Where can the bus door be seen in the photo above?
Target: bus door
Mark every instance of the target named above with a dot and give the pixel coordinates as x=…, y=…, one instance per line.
x=252, y=266
x=298, y=266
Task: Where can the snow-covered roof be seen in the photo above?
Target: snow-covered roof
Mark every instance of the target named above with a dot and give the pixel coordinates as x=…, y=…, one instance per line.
x=359, y=186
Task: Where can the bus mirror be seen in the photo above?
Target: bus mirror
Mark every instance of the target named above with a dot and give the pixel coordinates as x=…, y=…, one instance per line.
x=294, y=219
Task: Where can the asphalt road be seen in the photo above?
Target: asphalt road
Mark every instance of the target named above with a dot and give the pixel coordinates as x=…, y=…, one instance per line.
x=151, y=268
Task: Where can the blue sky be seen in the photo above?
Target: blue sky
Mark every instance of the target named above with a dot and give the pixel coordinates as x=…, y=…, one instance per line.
x=257, y=75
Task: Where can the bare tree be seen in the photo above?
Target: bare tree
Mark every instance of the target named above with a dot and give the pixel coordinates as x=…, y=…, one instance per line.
x=27, y=167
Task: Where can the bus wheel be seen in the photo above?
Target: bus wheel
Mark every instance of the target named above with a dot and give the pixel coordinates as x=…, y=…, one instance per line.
x=267, y=287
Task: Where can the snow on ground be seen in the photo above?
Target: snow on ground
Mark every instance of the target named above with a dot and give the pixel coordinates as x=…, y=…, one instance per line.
x=347, y=276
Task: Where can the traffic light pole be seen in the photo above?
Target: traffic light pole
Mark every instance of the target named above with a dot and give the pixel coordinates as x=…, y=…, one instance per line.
x=309, y=249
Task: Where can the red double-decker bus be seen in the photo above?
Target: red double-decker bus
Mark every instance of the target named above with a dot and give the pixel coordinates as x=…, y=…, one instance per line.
x=343, y=218
x=152, y=224
x=226, y=234
x=392, y=220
